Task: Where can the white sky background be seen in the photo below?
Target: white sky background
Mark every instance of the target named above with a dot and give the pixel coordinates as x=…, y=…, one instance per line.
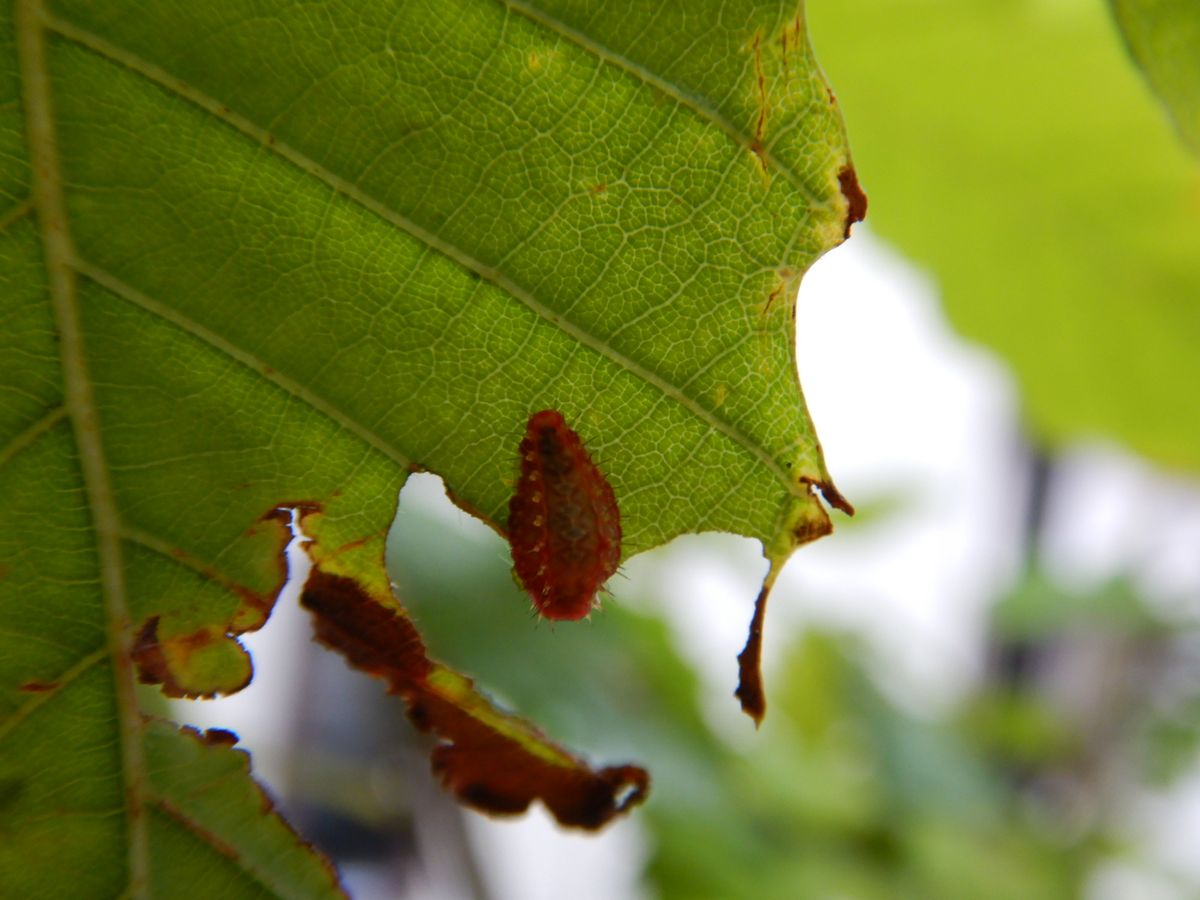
x=903, y=407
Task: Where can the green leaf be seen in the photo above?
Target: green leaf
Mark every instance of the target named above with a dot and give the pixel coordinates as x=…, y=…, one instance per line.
x=1164, y=38
x=260, y=257
x=209, y=830
x=1012, y=150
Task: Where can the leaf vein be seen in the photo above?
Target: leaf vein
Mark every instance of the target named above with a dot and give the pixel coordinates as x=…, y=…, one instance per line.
x=35, y=701
x=695, y=103
x=49, y=201
x=177, y=554
x=205, y=835
x=127, y=292
x=30, y=435
x=353, y=192
x=16, y=214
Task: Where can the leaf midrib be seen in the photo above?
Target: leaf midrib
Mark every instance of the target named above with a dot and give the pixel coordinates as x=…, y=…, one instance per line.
x=79, y=402
x=178, y=87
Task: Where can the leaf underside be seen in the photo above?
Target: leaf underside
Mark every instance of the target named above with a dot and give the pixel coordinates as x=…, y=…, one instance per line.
x=257, y=257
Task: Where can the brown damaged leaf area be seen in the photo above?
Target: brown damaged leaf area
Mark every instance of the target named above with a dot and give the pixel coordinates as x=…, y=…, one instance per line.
x=38, y=687
x=152, y=661
x=835, y=499
x=201, y=663
x=490, y=760
x=856, y=199
x=192, y=660
x=750, y=691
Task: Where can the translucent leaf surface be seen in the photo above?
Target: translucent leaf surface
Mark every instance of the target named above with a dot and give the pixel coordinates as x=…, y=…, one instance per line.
x=1014, y=151
x=259, y=257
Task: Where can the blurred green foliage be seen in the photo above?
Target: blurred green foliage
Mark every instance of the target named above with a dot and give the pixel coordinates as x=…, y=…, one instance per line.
x=1012, y=150
x=1164, y=37
x=842, y=793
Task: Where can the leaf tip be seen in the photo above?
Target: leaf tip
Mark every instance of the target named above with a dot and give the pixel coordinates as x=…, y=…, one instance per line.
x=750, y=685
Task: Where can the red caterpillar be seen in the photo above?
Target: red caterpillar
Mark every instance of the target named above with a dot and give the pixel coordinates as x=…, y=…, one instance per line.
x=563, y=523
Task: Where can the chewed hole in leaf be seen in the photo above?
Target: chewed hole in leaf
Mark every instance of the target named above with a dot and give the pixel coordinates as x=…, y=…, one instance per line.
x=488, y=758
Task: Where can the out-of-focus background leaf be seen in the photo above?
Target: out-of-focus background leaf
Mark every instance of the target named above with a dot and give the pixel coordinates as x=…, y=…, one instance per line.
x=1013, y=151
x=1016, y=792
x=1163, y=36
